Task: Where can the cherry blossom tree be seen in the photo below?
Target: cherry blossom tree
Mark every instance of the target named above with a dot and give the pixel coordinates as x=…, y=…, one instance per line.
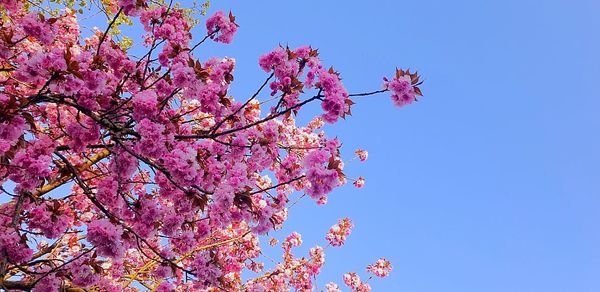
x=122, y=173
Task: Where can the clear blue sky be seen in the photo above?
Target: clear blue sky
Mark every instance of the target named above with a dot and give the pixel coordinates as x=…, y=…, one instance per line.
x=492, y=181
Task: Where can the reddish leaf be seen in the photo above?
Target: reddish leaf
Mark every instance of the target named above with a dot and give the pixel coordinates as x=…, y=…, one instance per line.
x=418, y=91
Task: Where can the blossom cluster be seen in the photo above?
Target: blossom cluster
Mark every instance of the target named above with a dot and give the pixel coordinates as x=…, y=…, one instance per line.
x=225, y=26
x=362, y=154
x=338, y=233
x=353, y=281
x=404, y=87
x=121, y=171
x=381, y=268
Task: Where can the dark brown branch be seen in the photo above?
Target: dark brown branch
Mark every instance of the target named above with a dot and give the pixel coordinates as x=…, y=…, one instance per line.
x=218, y=125
x=273, y=116
x=278, y=185
x=108, y=29
x=204, y=39
x=102, y=121
x=369, y=93
x=62, y=265
x=318, y=96
x=94, y=146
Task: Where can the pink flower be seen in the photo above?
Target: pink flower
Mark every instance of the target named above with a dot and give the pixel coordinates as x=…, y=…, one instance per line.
x=292, y=240
x=362, y=154
x=352, y=280
x=163, y=271
x=174, y=27
x=221, y=27
x=317, y=256
x=322, y=200
x=322, y=178
x=82, y=274
x=165, y=287
x=403, y=92
x=363, y=287
x=131, y=7
x=36, y=26
x=10, y=131
x=316, y=158
x=274, y=58
x=381, y=268
x=316, y=123
x=339, y=232
x=359, y=182
x=82, y=133
x=336, y=103
x=205, y=269
x=11, y=5
x=107, y=194
x=31, y=165
x=152, y=142
x=50, y=219
x=122, y=164
x=332, y=287
x=182, y=165
x=144, y=105
x=106, y=237
x=49, y=283
x=12, y=246
x=403, y=87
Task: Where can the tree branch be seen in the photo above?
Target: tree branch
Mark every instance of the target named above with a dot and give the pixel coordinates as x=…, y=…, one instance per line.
x=62, y=180
x=273, y=116
x=108, y=29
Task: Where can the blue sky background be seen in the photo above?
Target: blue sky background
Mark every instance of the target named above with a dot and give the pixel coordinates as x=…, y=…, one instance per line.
x=491, y=181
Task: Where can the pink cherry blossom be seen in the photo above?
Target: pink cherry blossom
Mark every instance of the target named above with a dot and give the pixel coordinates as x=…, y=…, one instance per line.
x=144, y=105
x=52, y=218
x=359, y=182
x=362, y=154
x=332, y=287
x=106, y=237
x=49, y=283
x=381, y=268
x=403, y=87
x=338, y=233
x=352, y=280
x=224, y=27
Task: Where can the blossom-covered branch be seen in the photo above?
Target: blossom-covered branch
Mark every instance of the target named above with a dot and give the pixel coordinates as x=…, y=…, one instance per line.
x=120, y=172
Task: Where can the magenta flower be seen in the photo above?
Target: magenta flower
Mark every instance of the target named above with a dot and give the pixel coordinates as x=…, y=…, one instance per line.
x=221, y=28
